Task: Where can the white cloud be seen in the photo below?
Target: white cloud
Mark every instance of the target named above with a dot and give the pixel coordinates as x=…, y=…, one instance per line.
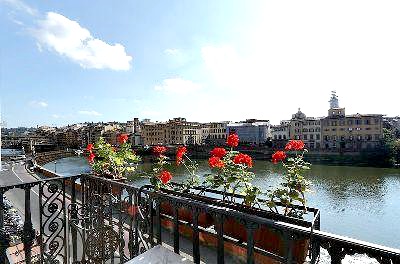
x=69, y=39
x=172, y=52
x=38, y=104
x=178, y=86
x=21, y=6
x=89, y=113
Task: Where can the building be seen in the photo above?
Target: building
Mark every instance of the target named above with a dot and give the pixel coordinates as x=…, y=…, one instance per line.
x=251, y=131
x=217, y=133
x=341, y=132
x=280, y=134
x=176, y=131
x=307, y=129
x=68, y=138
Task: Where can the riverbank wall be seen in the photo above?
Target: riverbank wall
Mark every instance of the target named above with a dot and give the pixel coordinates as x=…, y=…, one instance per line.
x=42, y=158
x=373, y=158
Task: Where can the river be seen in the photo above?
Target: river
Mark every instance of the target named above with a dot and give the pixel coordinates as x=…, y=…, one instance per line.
x=358, y=202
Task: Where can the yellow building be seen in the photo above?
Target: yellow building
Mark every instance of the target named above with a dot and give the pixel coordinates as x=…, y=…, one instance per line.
x=341, y=132
x=176, y=131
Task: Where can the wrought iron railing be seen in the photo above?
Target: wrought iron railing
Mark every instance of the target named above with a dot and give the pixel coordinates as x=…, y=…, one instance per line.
x=86, y=219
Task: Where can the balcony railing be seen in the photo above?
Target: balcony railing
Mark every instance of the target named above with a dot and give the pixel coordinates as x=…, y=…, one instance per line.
x=86, y=219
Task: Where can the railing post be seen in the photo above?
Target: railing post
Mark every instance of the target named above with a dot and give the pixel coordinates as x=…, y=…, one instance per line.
x=336, y=253
x=4, y=237
x=250, y=228
x=29, y=232
x=176, y=227
x=132, y=209
x=288, y=242
x=74, y=215
x=158, y=220
x=220, y=235
x=196, y=248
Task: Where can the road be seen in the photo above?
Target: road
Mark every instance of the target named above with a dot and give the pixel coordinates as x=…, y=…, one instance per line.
x=15, y=173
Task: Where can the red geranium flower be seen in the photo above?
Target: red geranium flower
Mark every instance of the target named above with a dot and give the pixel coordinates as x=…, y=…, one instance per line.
x=165, y=176
x=91, y=157
x=294, y=145
x=159, y=150
x=122, y=138
x=179, y=154
x=243, y=159
x=89, y=147
x=278, y=156
x=215, y=162
x=218, y=152
x=232, y=140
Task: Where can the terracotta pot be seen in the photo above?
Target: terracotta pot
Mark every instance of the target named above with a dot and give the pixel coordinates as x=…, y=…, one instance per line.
x=267, y=238
x=204, y=219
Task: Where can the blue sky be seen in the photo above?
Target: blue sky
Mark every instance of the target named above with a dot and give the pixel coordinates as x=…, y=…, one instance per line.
x=64, y=62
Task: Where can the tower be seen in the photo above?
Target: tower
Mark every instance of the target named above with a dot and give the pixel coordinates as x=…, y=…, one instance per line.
x=334, y=102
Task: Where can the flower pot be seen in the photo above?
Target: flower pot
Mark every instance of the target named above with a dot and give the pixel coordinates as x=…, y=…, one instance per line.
x=204, y=219
x=268, y=239
x=265, y=237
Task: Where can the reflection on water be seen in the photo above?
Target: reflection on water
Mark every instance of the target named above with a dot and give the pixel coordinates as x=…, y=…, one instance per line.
x=69, y=166
x=359, y=202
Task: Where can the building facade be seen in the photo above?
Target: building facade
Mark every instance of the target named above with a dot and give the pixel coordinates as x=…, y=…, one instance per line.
x=176, y=131
x=251, y=131
x=217, y=133
x=307, y=129
x=353, y=133
x=280, y=134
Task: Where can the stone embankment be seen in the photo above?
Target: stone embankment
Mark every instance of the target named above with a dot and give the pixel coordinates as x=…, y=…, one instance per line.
x=42, y=158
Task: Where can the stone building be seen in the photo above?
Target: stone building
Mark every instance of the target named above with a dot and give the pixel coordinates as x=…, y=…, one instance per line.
x=176, y=131
x=251, y=131
x=353, y=133
x=307, y=129
x=280, y=134
x=68, y=138
x=217, y=133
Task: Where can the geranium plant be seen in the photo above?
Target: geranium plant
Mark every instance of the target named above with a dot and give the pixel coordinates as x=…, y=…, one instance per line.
x=160, y=175
x=292, y=190
x=231, y=172
x=115, y=162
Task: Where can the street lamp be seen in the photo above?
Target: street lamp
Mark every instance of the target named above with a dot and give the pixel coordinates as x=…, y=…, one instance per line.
x=55, y=166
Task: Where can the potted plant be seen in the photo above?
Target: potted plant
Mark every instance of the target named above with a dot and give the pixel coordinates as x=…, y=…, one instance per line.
x=112, y=162
x=160, y=178
x=231, y=176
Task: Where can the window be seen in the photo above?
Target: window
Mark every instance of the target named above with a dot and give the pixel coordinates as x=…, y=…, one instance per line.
x=305, y=137
x=350, y=122
x=358, y=128
x=350, y=129
x=342, y=138
x=284, y=136
x=311, y=137
x=351, y=138
x=377, y=137
x=318, y=137
x=366, y=121
x=327, y=138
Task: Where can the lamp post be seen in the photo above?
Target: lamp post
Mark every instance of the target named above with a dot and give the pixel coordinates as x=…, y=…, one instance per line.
x=55, y=166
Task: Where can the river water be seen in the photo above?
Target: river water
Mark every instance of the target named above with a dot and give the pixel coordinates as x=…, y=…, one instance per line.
x=358, y=202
